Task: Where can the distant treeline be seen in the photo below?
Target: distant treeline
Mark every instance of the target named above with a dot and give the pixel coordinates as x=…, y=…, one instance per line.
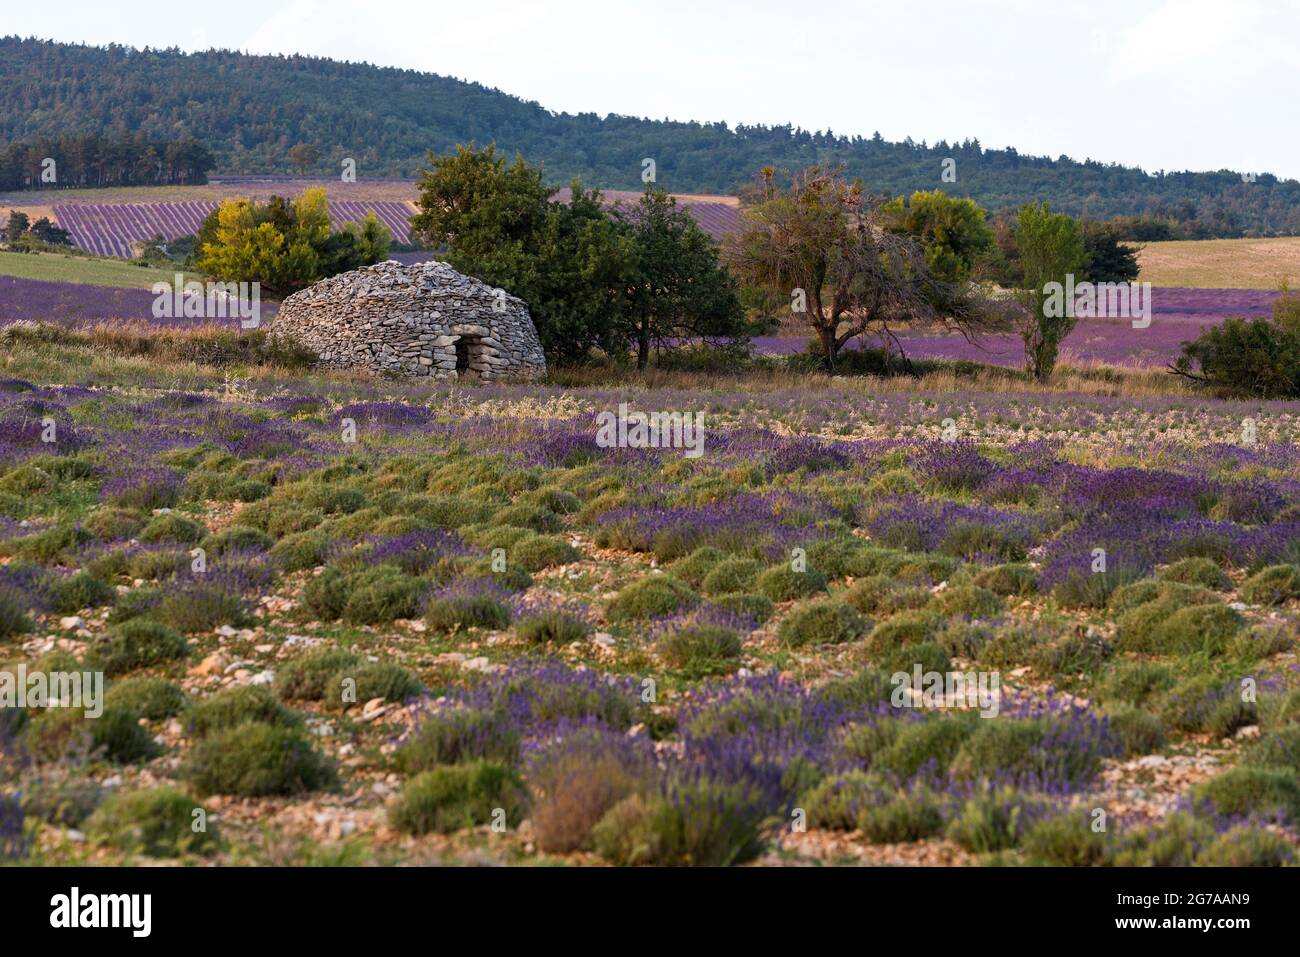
x=89, y=159
x=253, y=111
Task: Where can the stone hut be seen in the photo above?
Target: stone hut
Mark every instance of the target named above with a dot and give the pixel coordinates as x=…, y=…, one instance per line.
x=421, y=320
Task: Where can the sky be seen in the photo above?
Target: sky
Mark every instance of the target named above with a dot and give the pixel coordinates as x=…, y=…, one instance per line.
x=1161, y=84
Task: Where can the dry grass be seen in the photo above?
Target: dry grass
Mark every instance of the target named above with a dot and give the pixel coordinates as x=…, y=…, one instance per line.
x=1221, y=263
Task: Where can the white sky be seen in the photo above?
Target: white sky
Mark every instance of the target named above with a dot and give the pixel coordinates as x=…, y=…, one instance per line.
x=1164, y=84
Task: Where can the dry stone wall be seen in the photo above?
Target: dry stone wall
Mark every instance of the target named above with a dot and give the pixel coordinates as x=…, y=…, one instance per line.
x=425, y=319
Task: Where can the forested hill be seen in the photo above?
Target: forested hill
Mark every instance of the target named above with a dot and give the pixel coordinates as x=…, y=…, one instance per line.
x=250, y=111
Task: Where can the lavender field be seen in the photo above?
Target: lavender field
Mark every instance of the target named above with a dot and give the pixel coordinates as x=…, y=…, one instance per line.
x=371, y=622
x=1178, y=315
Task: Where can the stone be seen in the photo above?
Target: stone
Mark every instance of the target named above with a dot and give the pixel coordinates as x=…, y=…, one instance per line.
x=382, y=319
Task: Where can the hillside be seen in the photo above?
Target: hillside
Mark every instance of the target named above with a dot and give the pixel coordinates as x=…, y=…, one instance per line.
x=250, y=110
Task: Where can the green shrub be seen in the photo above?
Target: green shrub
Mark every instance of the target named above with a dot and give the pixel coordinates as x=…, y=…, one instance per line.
x=837, y=801
x=1137, y=731
x=730, y=576
x=459, y=796
x=542, y=551
x=1175, y=842
x=171, y=527
x=375, y=679
x=467, y=611
x=454, y=736
x=1256, y=357
x=157, y=564
x=757, y=607
x=934, y=742
x=112, y=524
x=311, y=677
x=834, y=557
x=325, y=594
x=1013, y=746
x=909, y=628
x=994, y=821
x=1273, y=585
x=233, y=706
x=380, y=595
x=1067, y=840
x=64, y=800
x=1135, y=682
x=1197, y=571
x=654, y=596
x=704, y=824
x=783, y=583
x=1008, y=580
x=254, y=760
x=13, y=616
x=909, y=816
x=300, y=550
x=1080, y=589
x=138, y=643
x=157, y=823
x=869, y=686
x=151, y=698
x=696, y=566
x=1247, y=846
x=115, y=734
x=700, y=650
x=237, y=538
x=1197, y=628
x=927, y=654
x=969, y=600
x=828, y=621
x=1278, y=749
x=80, y=591
x=46, y=547
x=1245, y=791
x=201, y=608
x=552, y=628
x=536, y=517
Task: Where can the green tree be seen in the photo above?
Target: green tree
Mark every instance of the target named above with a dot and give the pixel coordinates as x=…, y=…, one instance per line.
x=569, y=262
x=1050, y=250
x=952, y=231
x=1249, y=357
x=16, y=225
x=303, y=156
x=1106, y=257
x=285, y=246
x=821, y=246
x=680, y=290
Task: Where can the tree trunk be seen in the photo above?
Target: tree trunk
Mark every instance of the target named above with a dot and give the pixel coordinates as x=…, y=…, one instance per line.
x=643, y=346
x=830, y=345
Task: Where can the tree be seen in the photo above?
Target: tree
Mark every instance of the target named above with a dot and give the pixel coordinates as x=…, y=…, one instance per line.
x=16, y=225
x=1105, y=257
x=47, y=232
x=302, y=156
x=952, y=231
x=680, y=290
x=1050, y=249
x=1255, y=357
x=820, y=244
x=569, y=262
x=285, y=246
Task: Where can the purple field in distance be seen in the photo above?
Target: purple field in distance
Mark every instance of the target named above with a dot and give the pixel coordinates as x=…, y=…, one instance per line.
x=1178, y=315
